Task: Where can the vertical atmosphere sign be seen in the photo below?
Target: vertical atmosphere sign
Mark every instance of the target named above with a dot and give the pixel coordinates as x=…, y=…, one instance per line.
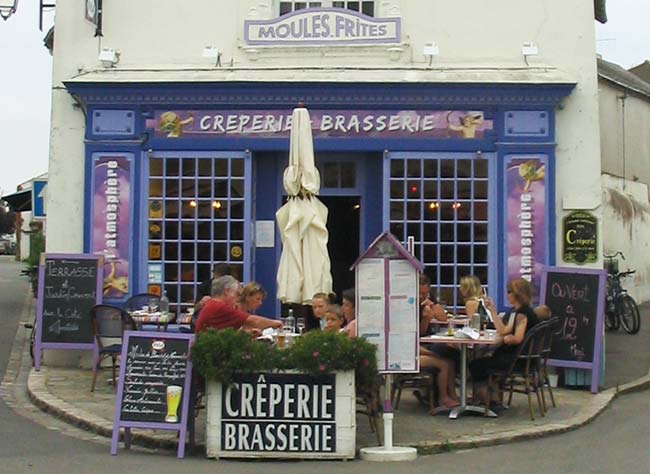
x=111, y=221
x=526, y=219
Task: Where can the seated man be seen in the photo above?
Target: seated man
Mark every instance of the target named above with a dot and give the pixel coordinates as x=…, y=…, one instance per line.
x=219, y=311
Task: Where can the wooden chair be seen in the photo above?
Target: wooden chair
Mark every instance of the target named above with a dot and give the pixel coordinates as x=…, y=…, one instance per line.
x=108, y=322
x=424, y=381
x=551, y=328
x=522, y=375
x=369, y=404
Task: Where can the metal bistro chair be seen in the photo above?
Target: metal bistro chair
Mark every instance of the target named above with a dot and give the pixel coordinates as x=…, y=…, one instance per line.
x=550, y=330
x=522, y=376
x=108, y=322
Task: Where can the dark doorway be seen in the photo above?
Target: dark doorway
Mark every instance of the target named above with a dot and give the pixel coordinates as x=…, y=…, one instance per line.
x=343, y=225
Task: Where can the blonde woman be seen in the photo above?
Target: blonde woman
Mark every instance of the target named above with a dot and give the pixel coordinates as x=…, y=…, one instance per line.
x=251, y=297
x=471, y=290
x=319, y=304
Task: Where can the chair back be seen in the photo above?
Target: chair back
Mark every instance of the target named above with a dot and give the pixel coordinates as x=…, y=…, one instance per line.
x=551, y=329
x=529, y=351
x=108, y=321
x=136, y=302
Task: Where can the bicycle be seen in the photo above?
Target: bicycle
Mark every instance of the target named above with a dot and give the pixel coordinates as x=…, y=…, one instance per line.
x=620, y=308
x=31, y=273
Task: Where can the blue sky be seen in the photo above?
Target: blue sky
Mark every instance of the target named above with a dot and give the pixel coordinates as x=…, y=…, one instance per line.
x=25, y=84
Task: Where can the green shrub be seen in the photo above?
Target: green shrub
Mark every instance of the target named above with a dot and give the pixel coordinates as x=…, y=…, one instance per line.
x=218, y=355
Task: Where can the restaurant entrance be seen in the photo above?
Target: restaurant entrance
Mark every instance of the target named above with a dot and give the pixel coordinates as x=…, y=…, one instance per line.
x=343, y=224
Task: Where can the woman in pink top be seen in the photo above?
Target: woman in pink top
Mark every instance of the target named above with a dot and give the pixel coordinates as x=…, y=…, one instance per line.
x=349, y=311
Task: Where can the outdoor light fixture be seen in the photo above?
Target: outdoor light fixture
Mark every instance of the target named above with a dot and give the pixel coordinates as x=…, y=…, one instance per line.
x=430, y=50
x=529, y=49
x=8, y=8
x=212, y=52
x=109, y=57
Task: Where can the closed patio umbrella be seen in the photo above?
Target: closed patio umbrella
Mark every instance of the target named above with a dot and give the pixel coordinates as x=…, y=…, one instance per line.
x=304, y=264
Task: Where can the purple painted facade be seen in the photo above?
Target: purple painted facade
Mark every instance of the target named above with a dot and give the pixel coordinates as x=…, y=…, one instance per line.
x=526, y=247
x=440, y=124
x=111, y=229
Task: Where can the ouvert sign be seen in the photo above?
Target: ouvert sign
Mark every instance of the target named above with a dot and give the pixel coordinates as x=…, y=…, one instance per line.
x=322, y=26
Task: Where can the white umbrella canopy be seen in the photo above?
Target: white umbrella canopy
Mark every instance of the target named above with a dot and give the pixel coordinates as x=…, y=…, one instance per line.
x=304, y=264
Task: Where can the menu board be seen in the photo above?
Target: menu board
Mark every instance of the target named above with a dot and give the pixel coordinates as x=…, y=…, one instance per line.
x=387, y=304
x=576, y=297
x=69, y=285
x=154, y=383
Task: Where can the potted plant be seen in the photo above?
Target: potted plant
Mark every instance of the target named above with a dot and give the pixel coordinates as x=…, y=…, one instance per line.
x=256, y=392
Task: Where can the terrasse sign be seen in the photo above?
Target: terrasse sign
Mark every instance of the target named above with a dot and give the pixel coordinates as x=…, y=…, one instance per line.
x=322, y=26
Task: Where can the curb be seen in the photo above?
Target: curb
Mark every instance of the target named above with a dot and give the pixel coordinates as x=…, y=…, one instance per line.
x=43, y=399
x=59, y=408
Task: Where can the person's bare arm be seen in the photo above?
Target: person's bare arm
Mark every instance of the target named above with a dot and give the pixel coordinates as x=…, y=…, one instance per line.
x=260, y=322
x=520, y=331
x=471, y=307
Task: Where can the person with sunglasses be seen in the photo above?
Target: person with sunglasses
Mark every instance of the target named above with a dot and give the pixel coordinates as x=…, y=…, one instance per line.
x=511, y=331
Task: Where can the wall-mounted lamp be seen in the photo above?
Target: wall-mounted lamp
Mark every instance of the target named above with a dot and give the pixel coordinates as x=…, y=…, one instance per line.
x=213, y=53
x=430, y=50
x=109, y=57
x=8, y=8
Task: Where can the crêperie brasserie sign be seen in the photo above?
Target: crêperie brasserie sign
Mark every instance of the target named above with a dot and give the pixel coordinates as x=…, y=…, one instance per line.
x=322, y=26
x=279, y=412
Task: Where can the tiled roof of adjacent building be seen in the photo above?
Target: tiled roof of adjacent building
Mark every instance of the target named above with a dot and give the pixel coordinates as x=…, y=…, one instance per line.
x=642, y=70
x=624, y=78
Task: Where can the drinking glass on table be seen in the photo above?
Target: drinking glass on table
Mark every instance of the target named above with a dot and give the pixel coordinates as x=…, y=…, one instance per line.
x=300, y=324
x=153, y=305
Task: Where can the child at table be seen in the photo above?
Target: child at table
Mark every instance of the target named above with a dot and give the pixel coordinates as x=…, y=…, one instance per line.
x=319, y=305
x=333, y=318
x=542, y=312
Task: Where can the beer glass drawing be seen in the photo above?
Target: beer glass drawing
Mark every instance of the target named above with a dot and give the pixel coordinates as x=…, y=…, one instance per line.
x=173, y=400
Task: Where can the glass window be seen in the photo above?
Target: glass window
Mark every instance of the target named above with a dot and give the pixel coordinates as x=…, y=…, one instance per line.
x=365, y=7
x=443, y=205
x=195, y=219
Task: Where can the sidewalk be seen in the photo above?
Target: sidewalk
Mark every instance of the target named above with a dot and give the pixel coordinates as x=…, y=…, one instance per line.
x=65, y=392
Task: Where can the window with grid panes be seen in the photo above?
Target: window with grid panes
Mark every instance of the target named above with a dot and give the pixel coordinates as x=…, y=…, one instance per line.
x=367, y=7
x=196, y=218
x=443, y=204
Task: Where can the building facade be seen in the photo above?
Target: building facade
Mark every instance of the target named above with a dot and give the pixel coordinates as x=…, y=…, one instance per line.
x=471, y=127
x=625, y=147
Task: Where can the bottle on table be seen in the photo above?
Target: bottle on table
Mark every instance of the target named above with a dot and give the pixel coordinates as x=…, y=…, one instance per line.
x=291, y=321
x=476, y=321
x=164, y=306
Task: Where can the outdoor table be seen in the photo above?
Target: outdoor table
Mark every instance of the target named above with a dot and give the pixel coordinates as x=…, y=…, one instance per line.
x=155, y=319
x=456, y=321
x=464, y=343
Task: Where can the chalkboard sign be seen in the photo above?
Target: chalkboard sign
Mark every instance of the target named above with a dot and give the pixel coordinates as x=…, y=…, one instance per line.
x=69, y=285
x=154, y=384
x=576, y=297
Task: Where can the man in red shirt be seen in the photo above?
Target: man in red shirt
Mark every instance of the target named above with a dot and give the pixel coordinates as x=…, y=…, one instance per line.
x=219, y=311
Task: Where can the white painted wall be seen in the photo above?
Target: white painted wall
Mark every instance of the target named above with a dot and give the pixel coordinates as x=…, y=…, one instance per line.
x=627, y=228
x=631, y=134
x=479, y=41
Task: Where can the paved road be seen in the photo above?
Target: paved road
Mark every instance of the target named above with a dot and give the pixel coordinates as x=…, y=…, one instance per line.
x=32, y=442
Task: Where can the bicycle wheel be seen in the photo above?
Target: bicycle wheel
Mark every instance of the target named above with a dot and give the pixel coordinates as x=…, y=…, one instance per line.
x=629, y=315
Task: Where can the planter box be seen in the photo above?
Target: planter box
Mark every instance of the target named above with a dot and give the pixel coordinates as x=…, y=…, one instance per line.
x=284, y=415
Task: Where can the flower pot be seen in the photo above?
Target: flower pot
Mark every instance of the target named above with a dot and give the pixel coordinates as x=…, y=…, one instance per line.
x=282, y=415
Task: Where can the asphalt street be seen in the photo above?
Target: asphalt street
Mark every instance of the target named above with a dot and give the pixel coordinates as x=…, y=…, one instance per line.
x=32, y=442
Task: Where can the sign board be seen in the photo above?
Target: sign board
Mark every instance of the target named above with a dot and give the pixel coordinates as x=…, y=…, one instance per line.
x=39, y=199
x=323, y=27
x=580, y=238
x=69, y=285
x=154, y=385
x=282, y=415
x=387, y=304
x=330, y=123
x=576, y=297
